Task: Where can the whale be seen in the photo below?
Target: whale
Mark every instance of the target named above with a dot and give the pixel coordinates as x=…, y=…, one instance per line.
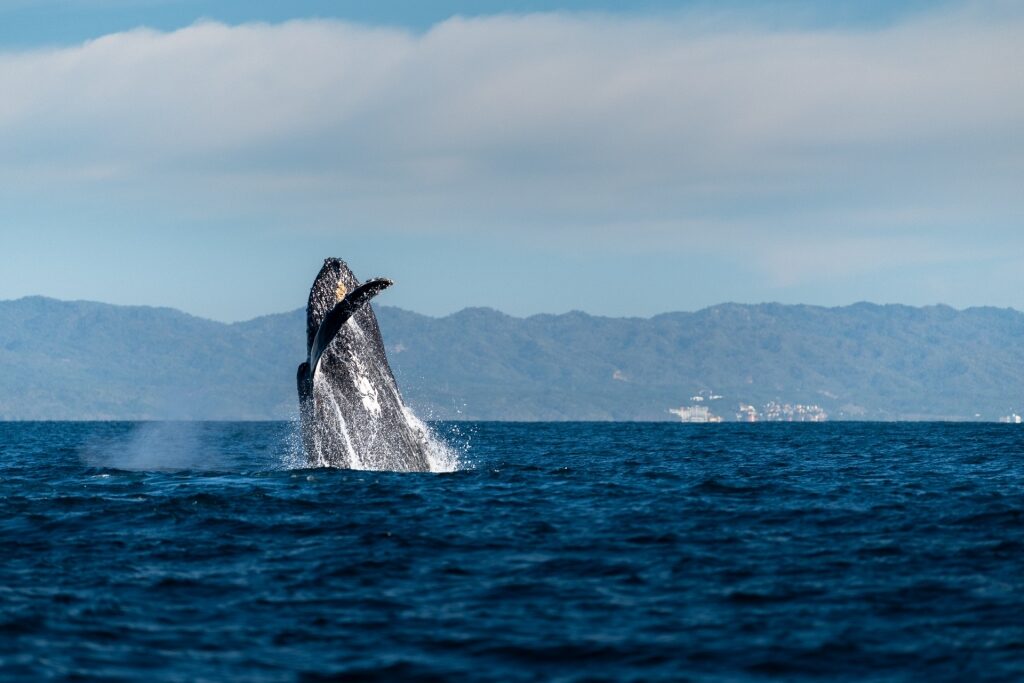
x=351, y=412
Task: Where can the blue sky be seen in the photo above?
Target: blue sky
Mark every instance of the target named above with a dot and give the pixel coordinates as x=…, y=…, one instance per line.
x=619, y=158
x=35, y=22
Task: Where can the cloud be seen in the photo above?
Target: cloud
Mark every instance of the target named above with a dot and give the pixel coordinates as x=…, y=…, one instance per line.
x=681, y=131
x=846, y=256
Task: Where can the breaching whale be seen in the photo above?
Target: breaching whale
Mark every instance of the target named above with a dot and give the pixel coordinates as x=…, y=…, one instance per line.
x=351, y=412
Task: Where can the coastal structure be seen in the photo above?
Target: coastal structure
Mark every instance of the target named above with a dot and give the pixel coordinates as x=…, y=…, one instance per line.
x=773, y=411
x=696, y=414
x=747, y=413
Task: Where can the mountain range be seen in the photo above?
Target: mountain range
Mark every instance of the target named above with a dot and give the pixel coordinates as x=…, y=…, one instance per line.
x=78, y=360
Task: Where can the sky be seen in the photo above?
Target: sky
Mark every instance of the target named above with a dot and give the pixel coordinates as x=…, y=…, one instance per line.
x=623, y=159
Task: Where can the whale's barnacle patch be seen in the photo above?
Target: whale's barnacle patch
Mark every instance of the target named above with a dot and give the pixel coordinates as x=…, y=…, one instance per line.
x=341, y=291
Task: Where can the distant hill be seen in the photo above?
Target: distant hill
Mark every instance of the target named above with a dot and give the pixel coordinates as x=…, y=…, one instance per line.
x=84, y=360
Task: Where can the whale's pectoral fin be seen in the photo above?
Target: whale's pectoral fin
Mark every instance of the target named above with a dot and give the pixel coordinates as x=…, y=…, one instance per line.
x=304, y=381
x=366, y=291
x=339, y=315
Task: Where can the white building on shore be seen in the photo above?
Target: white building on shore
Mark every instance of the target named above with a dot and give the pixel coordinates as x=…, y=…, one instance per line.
x=699, y=414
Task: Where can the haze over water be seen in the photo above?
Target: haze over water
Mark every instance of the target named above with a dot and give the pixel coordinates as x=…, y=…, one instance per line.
x=570, y=551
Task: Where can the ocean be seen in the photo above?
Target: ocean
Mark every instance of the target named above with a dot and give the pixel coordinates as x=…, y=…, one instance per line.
x=553, y=552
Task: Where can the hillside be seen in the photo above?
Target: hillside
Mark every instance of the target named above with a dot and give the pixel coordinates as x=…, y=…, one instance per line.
x=84, y=360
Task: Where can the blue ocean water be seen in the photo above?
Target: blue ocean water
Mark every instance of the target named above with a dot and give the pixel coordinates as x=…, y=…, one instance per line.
x=565, y=552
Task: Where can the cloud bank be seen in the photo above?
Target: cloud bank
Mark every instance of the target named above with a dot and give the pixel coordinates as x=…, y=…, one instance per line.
x=803, y=151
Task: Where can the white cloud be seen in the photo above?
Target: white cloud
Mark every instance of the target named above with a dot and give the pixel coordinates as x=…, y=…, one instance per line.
x=551, y=122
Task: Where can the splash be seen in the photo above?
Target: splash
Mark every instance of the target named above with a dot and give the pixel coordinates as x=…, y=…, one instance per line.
x=441, y=456
x=358, y=438
x=332, y=432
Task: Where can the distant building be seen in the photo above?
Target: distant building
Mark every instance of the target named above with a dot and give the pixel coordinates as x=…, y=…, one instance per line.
x=1012, y=418
x=773, y=411
x=695, y=414
x=747, y=413
x=786, y=412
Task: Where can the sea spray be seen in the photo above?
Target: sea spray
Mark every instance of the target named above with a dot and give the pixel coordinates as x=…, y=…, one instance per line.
x=156, y=446
x=333, y=438
x=442, y=456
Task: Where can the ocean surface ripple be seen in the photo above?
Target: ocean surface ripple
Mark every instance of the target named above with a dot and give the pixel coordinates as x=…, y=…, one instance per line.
x=565, y=552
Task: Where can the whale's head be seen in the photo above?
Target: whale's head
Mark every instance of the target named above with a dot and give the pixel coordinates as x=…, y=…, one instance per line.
x=333, y=283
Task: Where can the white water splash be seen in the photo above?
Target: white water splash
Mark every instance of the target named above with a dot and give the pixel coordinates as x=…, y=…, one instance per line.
x=334, y=431
x=324, y=430
x=369, y=438
x=440, y=455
